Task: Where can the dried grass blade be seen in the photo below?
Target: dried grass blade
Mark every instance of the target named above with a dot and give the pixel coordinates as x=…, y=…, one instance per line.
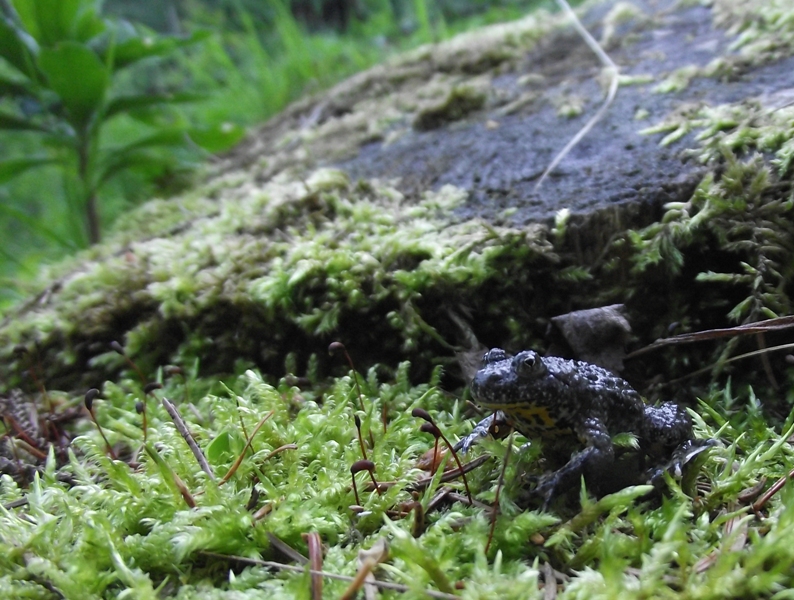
x=711, y=334
x=613, y=90
x=286, y=549
x=181, y=427
x=367, y=561
x=240, y=458
x=316, y=561
x=165, y=469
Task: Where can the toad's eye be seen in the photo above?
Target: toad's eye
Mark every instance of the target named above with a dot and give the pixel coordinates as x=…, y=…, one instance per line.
x=528, y=364
x=493, y=355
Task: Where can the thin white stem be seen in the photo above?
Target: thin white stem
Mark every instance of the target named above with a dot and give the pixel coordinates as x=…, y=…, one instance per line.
x=269, y=564
x=613, y=90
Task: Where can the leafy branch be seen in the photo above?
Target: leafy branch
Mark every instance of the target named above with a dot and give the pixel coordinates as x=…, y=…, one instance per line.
x=59, y=62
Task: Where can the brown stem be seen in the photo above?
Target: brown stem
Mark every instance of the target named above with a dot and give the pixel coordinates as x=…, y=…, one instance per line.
x=18, y=431
x=387, y=585
x=425, y=482
x=140, y=408
x=242, y=425
x=357, y=421
x=355, y=489
x=423, y=414
x=776, y=487
x=499, y=483
x=119, y=349
x=108, y=447
x=315, y=545
x=335, y=347
x=240, y=458
x=364, y=465
x=460, y=466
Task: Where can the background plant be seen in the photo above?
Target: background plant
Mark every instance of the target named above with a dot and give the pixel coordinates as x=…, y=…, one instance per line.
x=61, y=61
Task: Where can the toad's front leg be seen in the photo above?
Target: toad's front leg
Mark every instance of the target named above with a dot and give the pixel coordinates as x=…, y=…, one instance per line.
x=592, y=462
x=488, y=425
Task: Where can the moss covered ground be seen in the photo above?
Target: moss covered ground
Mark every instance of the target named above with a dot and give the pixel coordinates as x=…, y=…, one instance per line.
x=154, y=524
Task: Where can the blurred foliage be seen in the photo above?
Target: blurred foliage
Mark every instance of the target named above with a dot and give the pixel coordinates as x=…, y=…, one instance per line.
x=170, y=16
x=61, y=60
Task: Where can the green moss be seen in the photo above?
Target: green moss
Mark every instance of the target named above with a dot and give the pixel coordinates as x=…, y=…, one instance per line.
x=733, y=239
x=120, y=530
x=456, y=104
x=764, y=29
x=274, y=249
x=677, y=80
x=569, y=106
x=763, y=33
x=289, y=254
x=619, y=14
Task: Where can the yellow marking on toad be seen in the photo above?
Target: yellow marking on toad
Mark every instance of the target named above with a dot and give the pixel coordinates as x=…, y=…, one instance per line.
x=534, y=416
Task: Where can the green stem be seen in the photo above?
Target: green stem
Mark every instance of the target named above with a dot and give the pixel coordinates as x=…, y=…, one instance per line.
x=92, y=218
x=90, y=204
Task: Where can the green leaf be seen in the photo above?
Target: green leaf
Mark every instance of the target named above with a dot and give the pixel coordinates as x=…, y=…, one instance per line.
x=16, y=166
x=26, y=11
x=61, y=138
x=219, y=448
x=125, y=104
x=224, y=448
x=17, y=47
x=217, y=138
x=77, y=75
x=89, y=25
x=49, y=21
x=13, y=87
x=11, y=122
x=36, y=225
x=140, y=160
x=166, y=137
x=133, y=49
x=135, y=155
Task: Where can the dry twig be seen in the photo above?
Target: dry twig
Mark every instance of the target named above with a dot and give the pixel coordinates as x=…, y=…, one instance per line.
x=181, y=427
x=712, y=334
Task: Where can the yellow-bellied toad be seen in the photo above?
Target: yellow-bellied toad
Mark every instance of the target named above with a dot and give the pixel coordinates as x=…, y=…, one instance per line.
x=561, y=400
